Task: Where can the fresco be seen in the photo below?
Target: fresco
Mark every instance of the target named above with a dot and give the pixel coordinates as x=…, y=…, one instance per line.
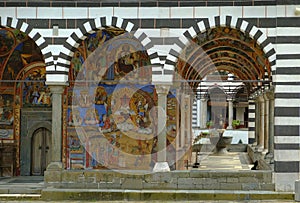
x=6, y=109
x=33, y=91
x=114, y=117
x=227, y=49
x=111, y=57
x=20, y=59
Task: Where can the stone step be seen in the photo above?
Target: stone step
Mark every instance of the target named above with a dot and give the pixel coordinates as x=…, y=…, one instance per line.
x=20, y=197
x=20, y=189
x=170, y=195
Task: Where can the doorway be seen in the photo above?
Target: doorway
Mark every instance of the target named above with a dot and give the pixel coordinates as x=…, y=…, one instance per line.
x=40, y=149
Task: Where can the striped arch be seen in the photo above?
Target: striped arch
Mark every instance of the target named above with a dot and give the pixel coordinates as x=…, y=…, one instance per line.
x=221, y=21
x=34, y=35
x=72, y=43
x=232, y=22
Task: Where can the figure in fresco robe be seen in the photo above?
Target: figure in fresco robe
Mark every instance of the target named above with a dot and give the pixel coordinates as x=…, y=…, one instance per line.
x=85, y=99
x=35, y=95
x=76, y=63
x=100, y=104
x=90, y=118
x=74, y=118
x=125, y=60
x=106, y=124
x=142, y=107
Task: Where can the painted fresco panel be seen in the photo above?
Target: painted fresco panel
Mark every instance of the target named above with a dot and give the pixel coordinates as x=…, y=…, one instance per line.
x=111, y=104
x=22, y=75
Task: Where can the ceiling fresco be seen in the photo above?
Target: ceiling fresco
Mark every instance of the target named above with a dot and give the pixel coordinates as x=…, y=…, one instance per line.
x=227, y=50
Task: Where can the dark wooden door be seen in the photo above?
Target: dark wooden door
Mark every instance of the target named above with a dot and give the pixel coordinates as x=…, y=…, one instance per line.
x=40, y=151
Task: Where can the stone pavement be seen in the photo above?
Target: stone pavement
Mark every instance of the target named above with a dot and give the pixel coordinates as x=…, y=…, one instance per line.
x=206, y=201
x=227, y=162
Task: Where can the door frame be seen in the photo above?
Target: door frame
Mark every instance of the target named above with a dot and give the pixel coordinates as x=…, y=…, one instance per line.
x=31, y=120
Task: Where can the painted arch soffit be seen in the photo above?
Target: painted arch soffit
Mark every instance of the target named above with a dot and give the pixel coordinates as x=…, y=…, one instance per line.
x=225, y=49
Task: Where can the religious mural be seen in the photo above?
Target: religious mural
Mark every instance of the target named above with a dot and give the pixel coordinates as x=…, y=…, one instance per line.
x=223, y=49
x=111, y=116
x=20, y=60
x=22, y=78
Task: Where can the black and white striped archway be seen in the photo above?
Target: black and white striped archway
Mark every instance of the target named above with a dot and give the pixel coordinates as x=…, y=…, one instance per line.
x=231, y=22
x=34, y=35
x=72, y=43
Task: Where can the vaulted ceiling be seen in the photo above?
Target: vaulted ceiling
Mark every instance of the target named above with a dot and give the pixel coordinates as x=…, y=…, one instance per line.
x=224, y=50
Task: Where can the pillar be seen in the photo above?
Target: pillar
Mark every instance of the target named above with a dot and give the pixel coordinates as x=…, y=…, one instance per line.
x=198, y=112
x=56, y=151
x=251, y=121
x=203, y=112
x=270, y=154
x=261, y=123
x=230, y=113
x=182, y=120
x=257, y=121
x=266, y=123
x=162, y=165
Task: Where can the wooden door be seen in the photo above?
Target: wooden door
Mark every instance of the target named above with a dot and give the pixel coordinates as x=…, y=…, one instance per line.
x=41, y=141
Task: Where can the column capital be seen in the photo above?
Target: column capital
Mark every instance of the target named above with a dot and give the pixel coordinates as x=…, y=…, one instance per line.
x=203, y=99
x=162, y=89
x=266, y=98
x=57, y=89
x=229, y=99
x=270, y=94
x=261, y=98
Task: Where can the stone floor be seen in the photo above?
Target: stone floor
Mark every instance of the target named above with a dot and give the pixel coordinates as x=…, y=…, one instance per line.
x=206, y=201
x=230, y=161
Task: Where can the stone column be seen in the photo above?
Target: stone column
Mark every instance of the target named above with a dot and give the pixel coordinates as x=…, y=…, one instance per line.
x=230, y=113
x=270, y=154
x=251, y=121
x=56, y=151
x=203, y=112
x=266, y=123
x=198, y=112
x=188, y=126
x=260, y=145
x=257, y=121
x=162, y=165
x=182, y=120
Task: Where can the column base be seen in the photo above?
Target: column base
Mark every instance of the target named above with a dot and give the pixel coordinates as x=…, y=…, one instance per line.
x=297, y=190
x=55, y=166
x=269, y=158
x=53, y=174
x=259, y=148
x=161, y=167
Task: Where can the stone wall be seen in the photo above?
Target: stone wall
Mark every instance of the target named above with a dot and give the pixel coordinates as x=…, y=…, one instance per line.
x=179, y=180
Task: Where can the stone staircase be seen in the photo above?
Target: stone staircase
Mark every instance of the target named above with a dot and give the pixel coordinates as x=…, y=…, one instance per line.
x=21, y=188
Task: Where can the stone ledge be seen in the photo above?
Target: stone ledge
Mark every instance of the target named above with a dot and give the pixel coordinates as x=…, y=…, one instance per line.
x=175, y=195
x=195, y=179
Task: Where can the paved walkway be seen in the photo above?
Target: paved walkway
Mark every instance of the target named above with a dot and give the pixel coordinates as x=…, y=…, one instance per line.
x=206, y=201
x=231, y=161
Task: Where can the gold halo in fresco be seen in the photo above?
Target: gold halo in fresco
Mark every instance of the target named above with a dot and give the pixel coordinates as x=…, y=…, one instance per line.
x=7, y=41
